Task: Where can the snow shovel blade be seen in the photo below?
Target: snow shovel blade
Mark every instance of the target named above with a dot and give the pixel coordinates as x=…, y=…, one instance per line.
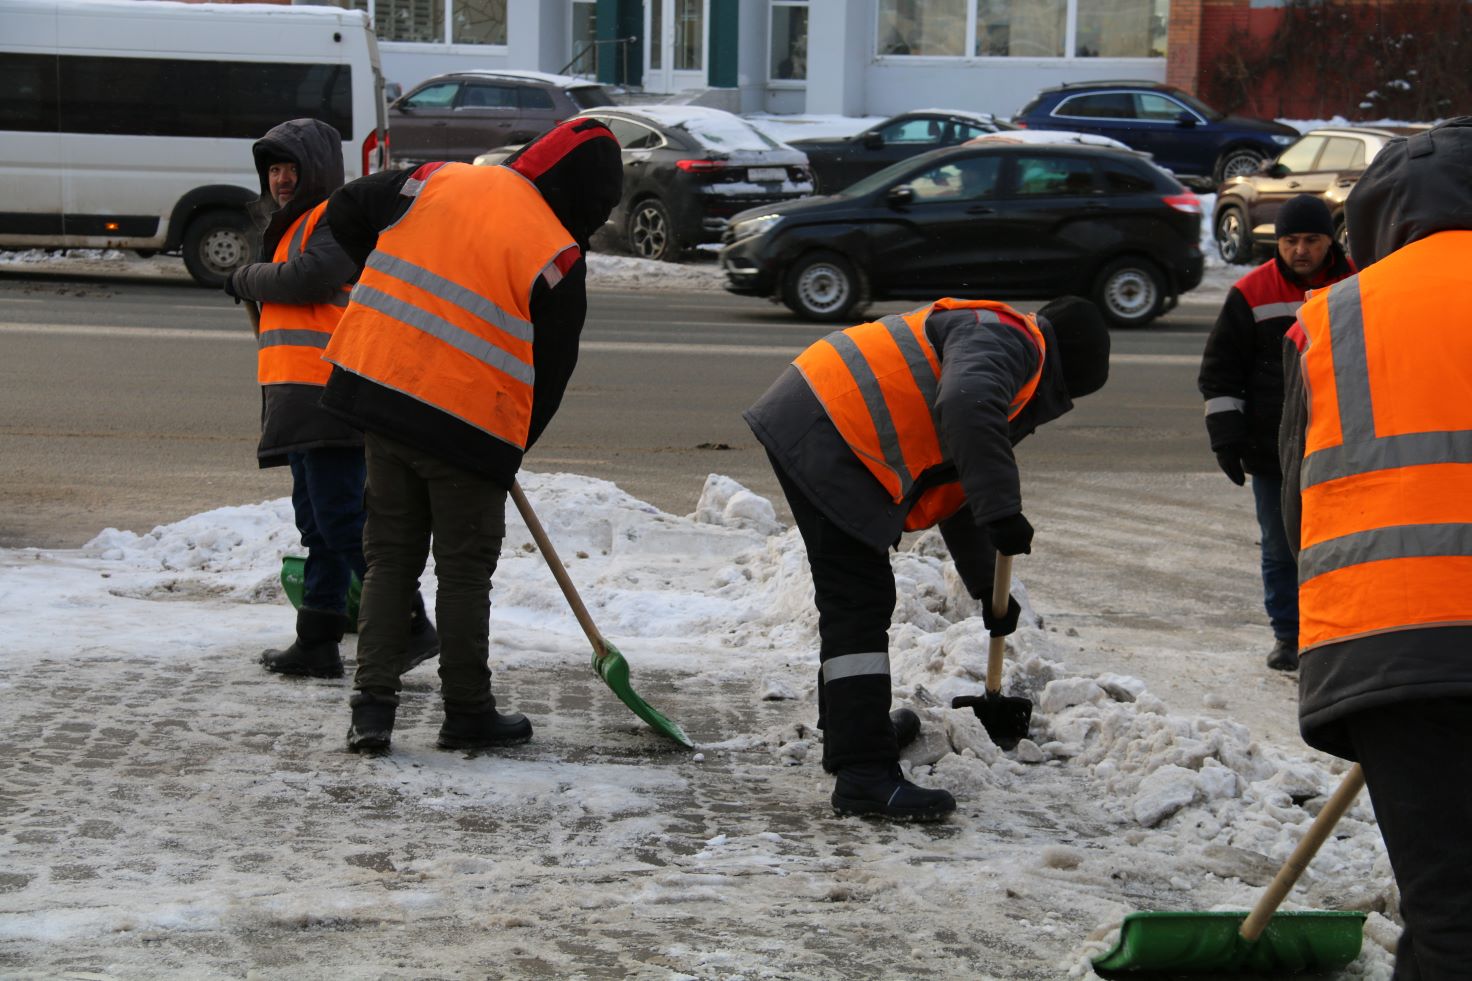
x=1183, y=943
x=293, y=583
x=614, y=671
x=1005, y=717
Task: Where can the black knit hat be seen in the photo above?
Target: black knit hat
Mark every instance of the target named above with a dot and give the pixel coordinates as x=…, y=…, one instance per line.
x=1302, y=215
x=1083, y=343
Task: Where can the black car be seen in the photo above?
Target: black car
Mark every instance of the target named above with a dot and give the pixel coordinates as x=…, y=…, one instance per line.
x=988, y=220
x=688, y=169
x=1182, y=133
x=839, y=161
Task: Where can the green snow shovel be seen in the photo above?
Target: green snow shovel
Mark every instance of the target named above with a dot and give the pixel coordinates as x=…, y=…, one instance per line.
x=1005, y=717
x=607, y=661
x=293, y=583
x=1259, y=942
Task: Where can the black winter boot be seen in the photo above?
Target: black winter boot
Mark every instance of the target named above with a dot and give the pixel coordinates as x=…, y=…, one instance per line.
x=481, y=726
x=314, y=652
x=877, y=788
x=373, y=721
x=906, y=726
x=1284, y=655
x=424, y=640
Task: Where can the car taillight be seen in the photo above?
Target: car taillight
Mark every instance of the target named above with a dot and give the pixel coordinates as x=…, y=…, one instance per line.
x=700, y=166
x=370, y=148
x=1189, y=203
x=1020, y=123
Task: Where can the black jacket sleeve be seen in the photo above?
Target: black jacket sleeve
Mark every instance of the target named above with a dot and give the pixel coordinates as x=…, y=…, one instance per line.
x=558, y=313
x=362, y=208
x=972, y=552
x=1226, y=368
x=1292, y=431
x=982, y=370
x=314, y=276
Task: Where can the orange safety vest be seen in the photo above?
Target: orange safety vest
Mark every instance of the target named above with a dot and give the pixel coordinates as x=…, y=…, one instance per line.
x=442, y=312
x=293, y=335
x=1386, y=482
x=878, y=383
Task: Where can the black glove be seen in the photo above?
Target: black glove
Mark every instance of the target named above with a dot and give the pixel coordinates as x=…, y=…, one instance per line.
x=1007, y=624
x=1011, y=535
x=1230, y=460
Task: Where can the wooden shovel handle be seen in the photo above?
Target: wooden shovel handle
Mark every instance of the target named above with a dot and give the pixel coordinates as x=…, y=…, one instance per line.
x=254, y=313
x=1318, y=833
x=1001, y=596
x=544, y=545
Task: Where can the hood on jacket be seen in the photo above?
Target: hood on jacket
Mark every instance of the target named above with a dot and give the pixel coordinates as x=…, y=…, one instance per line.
x=1413, y=188
x=578, y=170
x=316, y=149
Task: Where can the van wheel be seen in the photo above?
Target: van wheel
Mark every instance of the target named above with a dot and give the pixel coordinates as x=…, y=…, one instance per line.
x=1130, y=291
x=217, y=243
x=824, y=286
x=651, y=234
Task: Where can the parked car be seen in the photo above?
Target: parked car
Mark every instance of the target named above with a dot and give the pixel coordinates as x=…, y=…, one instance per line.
x=688, y=169
x=1181, y=132
x=839, y=161
x=460, y=114
x=1325, y=162
x=990, y=219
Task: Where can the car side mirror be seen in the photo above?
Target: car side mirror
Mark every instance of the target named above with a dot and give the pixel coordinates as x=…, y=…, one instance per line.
x=1275, y=169
x=1185, y=119
x=392, y=91
x=873, y=141
x=900, y=194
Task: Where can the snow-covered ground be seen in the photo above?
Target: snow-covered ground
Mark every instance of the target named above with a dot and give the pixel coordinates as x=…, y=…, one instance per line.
x=172, y=811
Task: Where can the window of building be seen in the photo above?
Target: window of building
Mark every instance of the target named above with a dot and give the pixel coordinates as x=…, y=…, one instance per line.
x=689, y=35
x=789, y=36
x=468, y=22
x=1023, y=28
x=922, y=27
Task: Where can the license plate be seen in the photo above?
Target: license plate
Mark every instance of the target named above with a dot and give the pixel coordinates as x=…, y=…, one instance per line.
x=767, y=174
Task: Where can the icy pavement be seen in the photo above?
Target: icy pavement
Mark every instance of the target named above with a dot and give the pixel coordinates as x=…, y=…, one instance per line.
x=171, y=811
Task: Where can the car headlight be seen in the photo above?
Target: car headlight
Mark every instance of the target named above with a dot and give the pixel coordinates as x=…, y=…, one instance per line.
x=1284, y=140
x=752, y=227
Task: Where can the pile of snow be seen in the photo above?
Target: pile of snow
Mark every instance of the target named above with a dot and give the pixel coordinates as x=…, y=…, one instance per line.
x=1115, y=802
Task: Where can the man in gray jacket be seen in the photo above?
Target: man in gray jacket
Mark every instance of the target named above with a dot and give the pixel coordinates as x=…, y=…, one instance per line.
x=302, y=287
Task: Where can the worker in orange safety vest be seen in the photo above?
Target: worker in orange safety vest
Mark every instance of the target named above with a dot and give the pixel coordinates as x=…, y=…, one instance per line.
x=898, y=425
x=1376, y=448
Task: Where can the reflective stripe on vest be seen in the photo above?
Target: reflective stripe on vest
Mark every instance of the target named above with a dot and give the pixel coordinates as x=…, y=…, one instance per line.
x=442, y=312
x=878, y=383
x=294, y=335
x=1386, y=480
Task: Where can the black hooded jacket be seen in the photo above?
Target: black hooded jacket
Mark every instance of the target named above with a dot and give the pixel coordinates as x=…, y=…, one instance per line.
x=982, y=368
x=291, y=419
x=578, y=170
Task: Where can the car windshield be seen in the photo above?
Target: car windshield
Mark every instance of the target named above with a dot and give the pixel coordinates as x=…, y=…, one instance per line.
x=889, y=175
x=1205, y=110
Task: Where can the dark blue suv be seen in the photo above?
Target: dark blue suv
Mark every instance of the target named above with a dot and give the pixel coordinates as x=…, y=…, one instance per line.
x=1181, y=132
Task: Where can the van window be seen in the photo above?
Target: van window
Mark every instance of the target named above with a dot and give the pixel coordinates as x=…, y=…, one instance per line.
x=176, y=97
x=29, y=84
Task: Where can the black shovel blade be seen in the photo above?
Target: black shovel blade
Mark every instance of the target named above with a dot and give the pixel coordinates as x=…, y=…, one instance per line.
x=1005, y=717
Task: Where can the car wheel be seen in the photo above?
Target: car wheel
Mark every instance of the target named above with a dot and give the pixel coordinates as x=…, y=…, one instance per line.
x=217, y=243
x=1238, y=163
x=650, y=233
x=1130, y=291
x=1232, y=237
x=824, y=286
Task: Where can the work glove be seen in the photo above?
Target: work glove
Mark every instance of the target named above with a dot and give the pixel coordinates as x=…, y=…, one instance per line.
x=1007, y=623
x=1230, y=460
x=1011, y=535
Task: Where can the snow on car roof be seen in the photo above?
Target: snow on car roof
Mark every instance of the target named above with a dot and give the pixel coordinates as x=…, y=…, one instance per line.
x=1049, y=136
x=981, y=117
x=720, y=132
x=566, y=81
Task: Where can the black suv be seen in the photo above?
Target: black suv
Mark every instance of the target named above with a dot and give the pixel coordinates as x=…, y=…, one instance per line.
x=462, y=114
x=1182, y=133
x=988, y=219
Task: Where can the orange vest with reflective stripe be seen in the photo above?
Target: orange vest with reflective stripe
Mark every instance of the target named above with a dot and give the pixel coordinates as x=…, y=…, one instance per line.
x=293, y=335
x=1386, y=482
x=442, y=312
x=878, y=383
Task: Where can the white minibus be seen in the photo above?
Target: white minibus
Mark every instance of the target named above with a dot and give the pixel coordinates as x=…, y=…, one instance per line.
x=128, y=123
